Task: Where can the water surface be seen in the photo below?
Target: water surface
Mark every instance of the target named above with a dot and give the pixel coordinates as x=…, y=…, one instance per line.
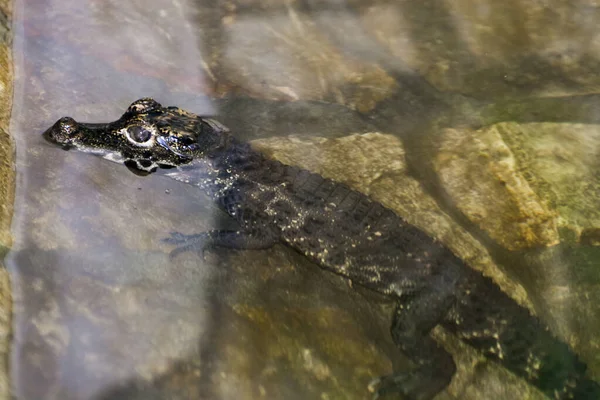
x=473, y=125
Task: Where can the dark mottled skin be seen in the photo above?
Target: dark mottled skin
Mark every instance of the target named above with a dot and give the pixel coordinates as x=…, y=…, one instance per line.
x=347, y=233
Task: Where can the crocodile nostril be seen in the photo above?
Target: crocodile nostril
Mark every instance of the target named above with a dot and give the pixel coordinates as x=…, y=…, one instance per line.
x=62, y=132
x=66, y=126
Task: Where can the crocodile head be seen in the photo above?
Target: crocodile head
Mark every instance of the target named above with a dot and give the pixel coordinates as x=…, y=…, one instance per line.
x=147, y=137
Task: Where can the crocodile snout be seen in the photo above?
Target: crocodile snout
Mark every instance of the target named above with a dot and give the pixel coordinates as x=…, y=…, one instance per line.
x=63, y=132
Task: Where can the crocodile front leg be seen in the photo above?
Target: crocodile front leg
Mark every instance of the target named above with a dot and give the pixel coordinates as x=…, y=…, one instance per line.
x=203, y=241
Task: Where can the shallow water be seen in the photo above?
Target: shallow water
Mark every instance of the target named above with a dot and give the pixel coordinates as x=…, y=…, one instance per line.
x=82, y=306
x=100, y=309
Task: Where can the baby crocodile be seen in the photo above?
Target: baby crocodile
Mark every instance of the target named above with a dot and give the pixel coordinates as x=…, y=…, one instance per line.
x=347, y=233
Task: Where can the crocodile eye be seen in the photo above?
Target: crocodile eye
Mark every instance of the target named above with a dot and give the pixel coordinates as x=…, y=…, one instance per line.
x=139, y=133
x=143, y=105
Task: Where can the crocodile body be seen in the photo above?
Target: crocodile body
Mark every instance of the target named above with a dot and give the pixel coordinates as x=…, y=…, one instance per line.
x=347, y=233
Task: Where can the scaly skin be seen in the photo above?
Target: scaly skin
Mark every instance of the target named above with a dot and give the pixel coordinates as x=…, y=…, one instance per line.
x=347, y=233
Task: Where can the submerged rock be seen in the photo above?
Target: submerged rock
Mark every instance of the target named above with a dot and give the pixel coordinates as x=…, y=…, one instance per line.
x=481, y=175
x=561, y=163
x=385, y=178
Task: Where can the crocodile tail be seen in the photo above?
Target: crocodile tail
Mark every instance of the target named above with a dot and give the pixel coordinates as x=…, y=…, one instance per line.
x=489, y=320
x=587, y=390
x=554, y=368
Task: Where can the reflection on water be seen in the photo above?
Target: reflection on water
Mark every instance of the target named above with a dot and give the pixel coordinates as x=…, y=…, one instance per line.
x=474, y=117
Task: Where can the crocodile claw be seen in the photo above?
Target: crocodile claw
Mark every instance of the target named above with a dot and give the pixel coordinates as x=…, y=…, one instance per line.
x=185, y=243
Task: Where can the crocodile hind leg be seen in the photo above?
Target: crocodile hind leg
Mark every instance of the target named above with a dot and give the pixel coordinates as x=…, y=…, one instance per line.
x=413, y=321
